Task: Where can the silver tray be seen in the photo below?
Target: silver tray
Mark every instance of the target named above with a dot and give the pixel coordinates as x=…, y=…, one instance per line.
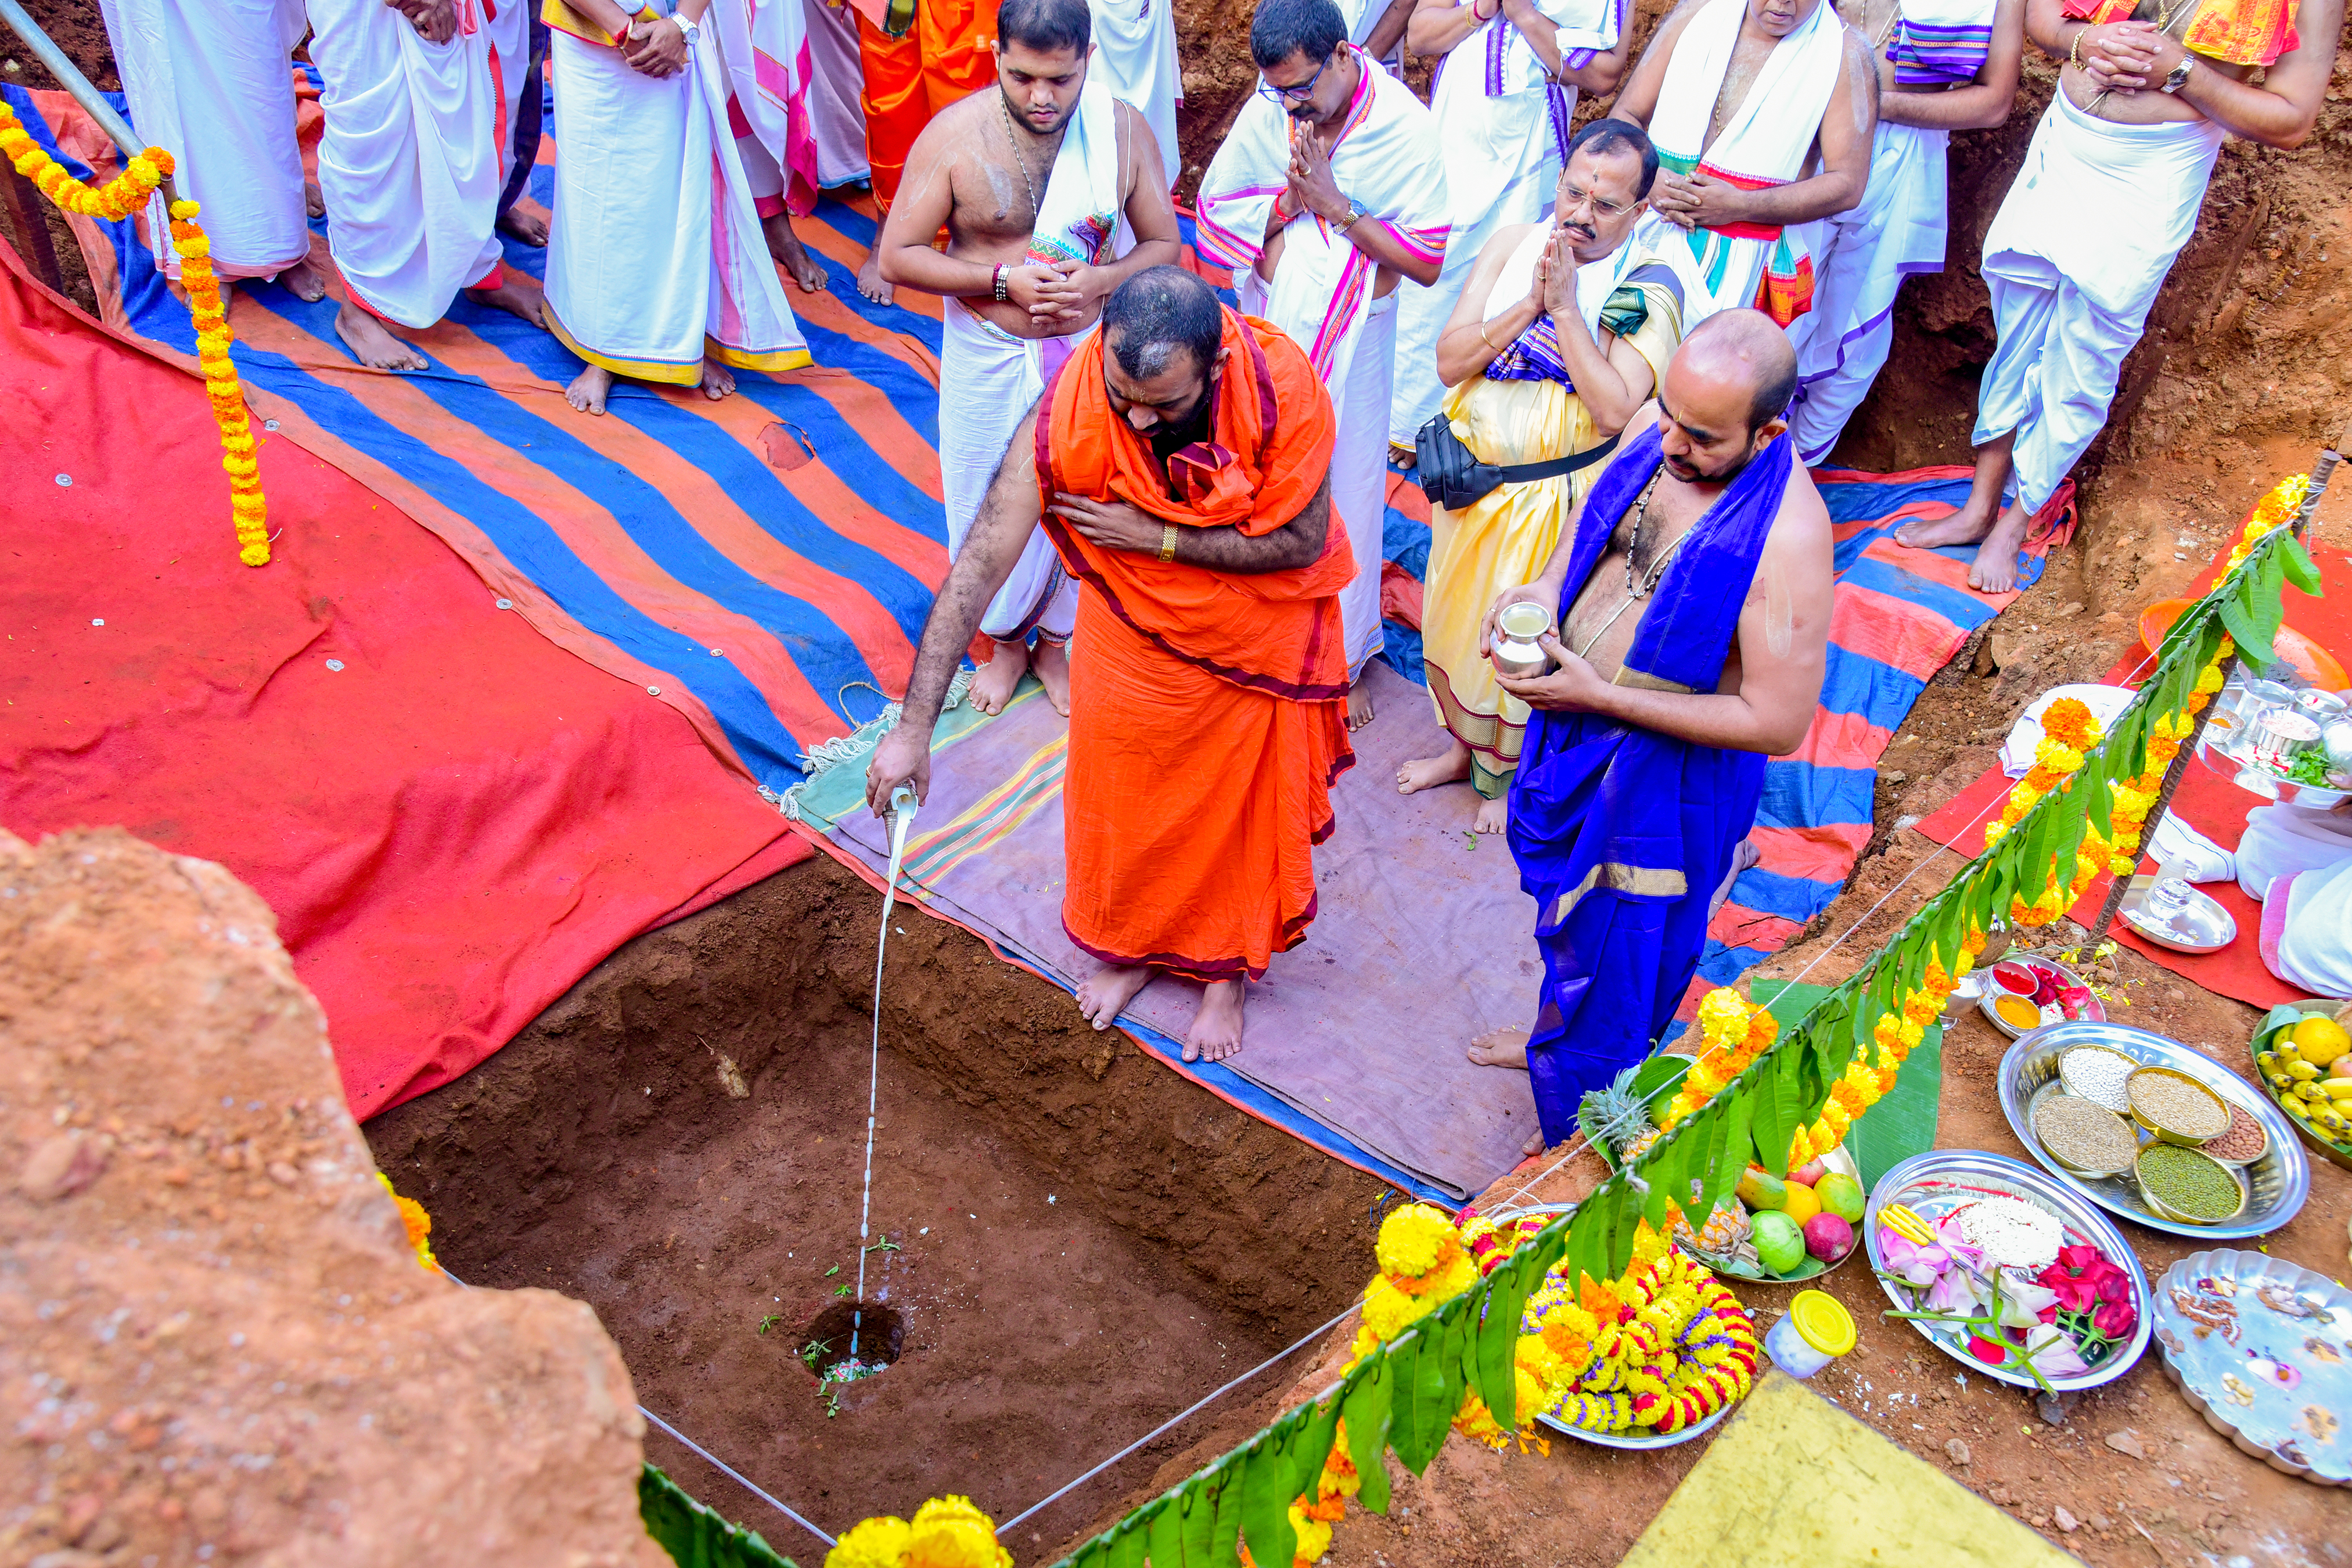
x=2261, y=780
x=2275, y=1184
x=1934, y=1184
x=2219, y=1323
x=1991, y=991
x=2203, y=927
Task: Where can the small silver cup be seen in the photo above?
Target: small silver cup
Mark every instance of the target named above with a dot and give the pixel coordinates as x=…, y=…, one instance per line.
x=1518, y=654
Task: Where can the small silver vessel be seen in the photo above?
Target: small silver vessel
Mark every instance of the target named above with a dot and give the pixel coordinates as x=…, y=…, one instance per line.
x=1518, y=654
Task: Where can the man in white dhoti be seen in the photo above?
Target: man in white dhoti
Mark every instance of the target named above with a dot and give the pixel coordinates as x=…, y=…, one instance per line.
x=765, y=44
x=410, y=165
x=1329, y=189
x=215, y=88
x=1943, y=65
x=1135, y=55
x=656, y=269
x=1762, y=112
x=1504, y=97
x=2107, y=195
x=1052, y=194
x=837, y=114
x=526, y=225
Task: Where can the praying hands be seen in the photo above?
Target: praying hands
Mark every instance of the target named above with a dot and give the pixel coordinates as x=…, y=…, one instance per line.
x=1312, y=186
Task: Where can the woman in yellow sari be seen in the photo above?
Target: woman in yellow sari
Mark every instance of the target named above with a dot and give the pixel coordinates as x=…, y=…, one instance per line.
x=1561, y=335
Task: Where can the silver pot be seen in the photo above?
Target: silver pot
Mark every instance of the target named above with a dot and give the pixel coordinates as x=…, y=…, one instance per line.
x=2335, y=736
x=1516, y=653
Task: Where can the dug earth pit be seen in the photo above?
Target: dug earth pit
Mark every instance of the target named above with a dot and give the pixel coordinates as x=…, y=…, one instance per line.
x=1077, y=1242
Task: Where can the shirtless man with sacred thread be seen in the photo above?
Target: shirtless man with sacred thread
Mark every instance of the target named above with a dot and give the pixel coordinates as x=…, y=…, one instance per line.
x=1692, y=602
x=1052, y=194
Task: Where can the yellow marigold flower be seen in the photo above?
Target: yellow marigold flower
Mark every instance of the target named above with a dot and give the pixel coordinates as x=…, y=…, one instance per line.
x=1413, y=1240
x=871, y=1543
x=1313, y=1536
x=950, y=1532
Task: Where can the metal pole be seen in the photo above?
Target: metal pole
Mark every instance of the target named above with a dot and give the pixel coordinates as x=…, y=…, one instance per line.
x=89, y=97
x=2323, y=467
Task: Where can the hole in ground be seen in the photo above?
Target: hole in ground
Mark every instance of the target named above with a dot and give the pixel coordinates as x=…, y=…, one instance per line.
x=877, y=1332
x=1081, y=1243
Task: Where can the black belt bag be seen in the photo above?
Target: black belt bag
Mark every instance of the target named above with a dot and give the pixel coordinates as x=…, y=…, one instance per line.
x=1452, y=476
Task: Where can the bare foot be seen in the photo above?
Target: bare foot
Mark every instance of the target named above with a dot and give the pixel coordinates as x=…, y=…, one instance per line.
x=1052, y=664
x=786, y=247
x=718, y=381
x=1533, y=1146
x=314, y=201
x=1994, y=571
x=516, y=292
x=589, y=389
x=1216, y=1031
x=1360, y=701
x=523, y=224
x=1966, y=526
x=993, y=686
x=375, y=347
x=869, y=275
x=1501, y=1048
x=1103, y=994
x=1494, y=815
x=302, y=281
x=1428, y=772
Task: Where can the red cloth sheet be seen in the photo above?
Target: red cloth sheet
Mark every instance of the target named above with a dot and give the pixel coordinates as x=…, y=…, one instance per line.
x=452, y=828
x=2205, y=801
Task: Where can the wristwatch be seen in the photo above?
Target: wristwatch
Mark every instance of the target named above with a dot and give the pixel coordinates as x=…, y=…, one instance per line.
x=1354, y=211
x=692, y=30
x=2179, y=74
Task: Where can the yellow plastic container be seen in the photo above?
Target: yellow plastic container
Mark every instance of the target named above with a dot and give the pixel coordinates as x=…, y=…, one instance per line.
x=1817, y=1331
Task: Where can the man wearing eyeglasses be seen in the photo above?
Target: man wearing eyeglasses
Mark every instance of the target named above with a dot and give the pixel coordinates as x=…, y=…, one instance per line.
x=1505, y=96
x=1329, y=188
x=1563, y=331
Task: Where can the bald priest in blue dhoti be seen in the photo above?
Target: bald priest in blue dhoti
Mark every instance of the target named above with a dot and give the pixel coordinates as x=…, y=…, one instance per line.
x=1692, y=600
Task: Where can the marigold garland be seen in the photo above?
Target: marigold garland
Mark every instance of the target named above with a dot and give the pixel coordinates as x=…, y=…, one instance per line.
x=946, y=1532
x=415, y=1222
x=119, y=198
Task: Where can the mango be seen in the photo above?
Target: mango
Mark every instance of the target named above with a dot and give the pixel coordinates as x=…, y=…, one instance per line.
x=1841, y=1194
x=2320, y=1041
x=1760, y=1189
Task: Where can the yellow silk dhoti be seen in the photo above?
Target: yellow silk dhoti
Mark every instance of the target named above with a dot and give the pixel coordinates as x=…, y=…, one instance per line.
x=1506, y=538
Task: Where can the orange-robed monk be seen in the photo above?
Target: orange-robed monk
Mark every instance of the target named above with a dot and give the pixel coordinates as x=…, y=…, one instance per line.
x=1179, y=461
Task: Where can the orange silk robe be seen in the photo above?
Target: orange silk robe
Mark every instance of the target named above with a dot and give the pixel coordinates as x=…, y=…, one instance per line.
x=944, y=57
x=1208, y=711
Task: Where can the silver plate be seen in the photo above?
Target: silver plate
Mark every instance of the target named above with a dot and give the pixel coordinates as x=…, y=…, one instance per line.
x=2219, y=1322
x=2204, y=926
x=1934, y=1184
x=1603, y=1439
x=1808, y=1271
x=2275, y=1184
x=2261, y=780
x=1993, y=991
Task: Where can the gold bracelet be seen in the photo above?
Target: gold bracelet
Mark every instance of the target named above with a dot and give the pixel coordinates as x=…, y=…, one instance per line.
x=2074, y=49
x=1167, y=542
x=1487, y=341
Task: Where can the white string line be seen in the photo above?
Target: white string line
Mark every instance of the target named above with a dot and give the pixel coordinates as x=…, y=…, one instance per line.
x=736, y=1476
x=723, y=1466
x=1050, y=1497
x=900, y=821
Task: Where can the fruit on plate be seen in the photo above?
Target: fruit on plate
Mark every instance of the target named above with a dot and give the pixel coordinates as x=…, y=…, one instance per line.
x=2320, y=1041
x=1810, y=1173
x=1840, y=1195
x=1779, y=1244
x=1726, y=1227
x=1828, y=1237
x=1801, y=1204
x=1760, y=1189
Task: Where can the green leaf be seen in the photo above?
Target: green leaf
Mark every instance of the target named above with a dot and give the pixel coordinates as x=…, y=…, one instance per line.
x=1094, y=1553
x=1418, y=1427
x=1312, y=1451
x=2295, y=563
x=1267, y=1486
x=1368, y=1407
x=1226, y=1530
x=1770, y=1125
x=695, y=1535
x=1499, y=1344
x=1198, y=1504
x=1164, y=1535
x=2247, y=633
x=1729, y=1148
x=1127, y=1545
x=1656, y=1170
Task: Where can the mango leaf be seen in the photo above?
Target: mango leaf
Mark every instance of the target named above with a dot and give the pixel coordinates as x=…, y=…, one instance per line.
x=1226, y=1530
x=1127, y=1545
x=1367, y=1407
x=1655, y=1169
x=1267, y=1486
x=1312, y=1451
x=1728, y=1149
x=1419, y=1427
x=1499, y=1344
x=1162, y=1532
x=2297, y=565
x=1196, y=1509
x=1453, y=1363
x=1771, y=1121
x=2247, y=633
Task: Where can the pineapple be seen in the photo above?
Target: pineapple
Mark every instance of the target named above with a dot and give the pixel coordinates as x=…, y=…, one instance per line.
x=1725, y=1228
x=1614, y=1120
